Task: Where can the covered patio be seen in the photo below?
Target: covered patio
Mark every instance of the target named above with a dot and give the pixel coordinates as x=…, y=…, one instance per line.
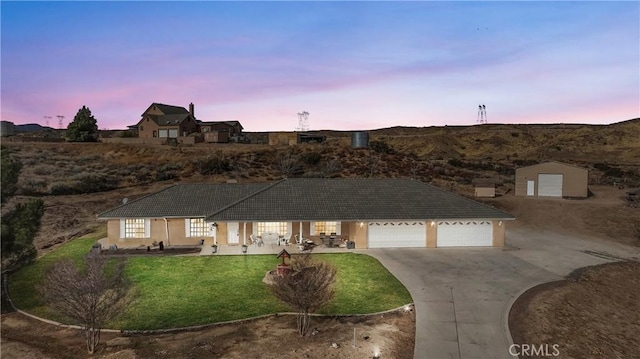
x=274, y=249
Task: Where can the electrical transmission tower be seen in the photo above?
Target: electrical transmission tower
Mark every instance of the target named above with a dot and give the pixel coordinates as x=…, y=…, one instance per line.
x=60, y=118
x=482, y=114
x=46, y=120
x=303, y=121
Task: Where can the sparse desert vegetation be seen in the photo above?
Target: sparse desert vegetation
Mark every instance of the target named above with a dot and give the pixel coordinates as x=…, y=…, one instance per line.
x=87, y=178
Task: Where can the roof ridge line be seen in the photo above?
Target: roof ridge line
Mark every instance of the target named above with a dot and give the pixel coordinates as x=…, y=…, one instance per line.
x=138, y=199
x=271, y=185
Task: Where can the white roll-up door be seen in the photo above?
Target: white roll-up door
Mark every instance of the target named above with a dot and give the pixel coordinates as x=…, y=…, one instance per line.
x=398, y=234
x=465, y=233
x=549, y=185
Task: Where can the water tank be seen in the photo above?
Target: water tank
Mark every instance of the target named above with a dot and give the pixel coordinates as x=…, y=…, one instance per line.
x=360, y=140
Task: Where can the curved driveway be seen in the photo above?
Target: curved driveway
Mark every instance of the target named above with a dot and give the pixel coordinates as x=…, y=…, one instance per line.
x=461, y=295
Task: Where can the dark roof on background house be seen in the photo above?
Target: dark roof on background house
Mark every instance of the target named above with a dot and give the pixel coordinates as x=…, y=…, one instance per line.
x=168, y=120
x=303, y=199
x=168, y=109
x=228, y=123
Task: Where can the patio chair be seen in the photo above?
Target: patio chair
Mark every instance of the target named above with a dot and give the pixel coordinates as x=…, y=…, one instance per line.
x=287, y=238
x=332, y=239
x=255, y=240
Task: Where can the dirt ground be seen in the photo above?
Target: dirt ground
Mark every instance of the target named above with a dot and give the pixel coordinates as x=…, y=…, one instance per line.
x=391, y=334
x=605, y=215
x=594, y=313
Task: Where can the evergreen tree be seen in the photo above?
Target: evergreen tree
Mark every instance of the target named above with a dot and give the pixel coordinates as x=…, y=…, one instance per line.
x=84, y=127
x=9, y=172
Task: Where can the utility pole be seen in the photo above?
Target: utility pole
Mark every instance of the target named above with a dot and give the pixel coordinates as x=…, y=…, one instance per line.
x=60, y=118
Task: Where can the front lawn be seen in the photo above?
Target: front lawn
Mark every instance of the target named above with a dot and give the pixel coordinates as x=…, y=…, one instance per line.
x=185, y=291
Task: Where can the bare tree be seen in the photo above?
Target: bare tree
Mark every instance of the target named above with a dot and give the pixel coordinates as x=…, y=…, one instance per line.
x=332, y=167
x=287, y=163
x=89, y=297
x=415, y=167
x=308, y=288
x=372, y=163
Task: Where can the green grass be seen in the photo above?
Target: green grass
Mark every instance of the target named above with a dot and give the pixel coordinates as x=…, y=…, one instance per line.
x=185, y=291
x=22, y=284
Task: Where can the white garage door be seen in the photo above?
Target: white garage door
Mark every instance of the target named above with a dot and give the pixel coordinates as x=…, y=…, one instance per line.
x=550, y=185
x=465, y=233
x=397, y=234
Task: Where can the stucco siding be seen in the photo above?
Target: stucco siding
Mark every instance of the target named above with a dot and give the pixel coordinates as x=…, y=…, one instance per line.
x=173, y=233
x=498, y=233
x=432, y=234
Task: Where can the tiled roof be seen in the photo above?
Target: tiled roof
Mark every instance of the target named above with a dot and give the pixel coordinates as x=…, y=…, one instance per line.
x=355, y=199
x=308, y=199
x=184, y=200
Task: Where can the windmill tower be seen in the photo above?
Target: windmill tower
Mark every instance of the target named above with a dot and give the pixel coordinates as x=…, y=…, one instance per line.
x=482, y=114
x=303, y=121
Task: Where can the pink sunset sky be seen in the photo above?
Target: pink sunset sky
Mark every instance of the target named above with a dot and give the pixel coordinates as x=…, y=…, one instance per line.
x=351, y=65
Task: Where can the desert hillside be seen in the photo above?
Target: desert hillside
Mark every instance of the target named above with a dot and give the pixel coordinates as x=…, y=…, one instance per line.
x=79, y=180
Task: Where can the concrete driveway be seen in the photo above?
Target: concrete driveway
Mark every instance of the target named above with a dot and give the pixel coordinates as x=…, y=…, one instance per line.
x=462, y=295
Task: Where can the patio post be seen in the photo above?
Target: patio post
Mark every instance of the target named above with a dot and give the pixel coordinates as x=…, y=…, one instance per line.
x=244, y=233
x=300, y=231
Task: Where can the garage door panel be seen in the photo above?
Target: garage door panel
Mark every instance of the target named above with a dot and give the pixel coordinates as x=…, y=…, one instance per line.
x=550, y=185
x=465, y=233
x=405, y=234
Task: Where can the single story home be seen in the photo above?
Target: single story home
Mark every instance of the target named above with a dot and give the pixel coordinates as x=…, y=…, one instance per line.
x=552, y=179
x=373, y=213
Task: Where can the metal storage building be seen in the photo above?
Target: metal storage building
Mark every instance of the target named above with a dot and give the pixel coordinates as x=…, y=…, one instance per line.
x=552, y=179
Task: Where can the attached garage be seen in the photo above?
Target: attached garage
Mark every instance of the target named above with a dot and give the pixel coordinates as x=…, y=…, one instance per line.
x=405, y=234
x=550, y=185
x=465, y=233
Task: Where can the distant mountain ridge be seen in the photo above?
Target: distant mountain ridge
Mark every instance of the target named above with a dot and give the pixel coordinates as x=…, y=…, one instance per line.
x=31, y=127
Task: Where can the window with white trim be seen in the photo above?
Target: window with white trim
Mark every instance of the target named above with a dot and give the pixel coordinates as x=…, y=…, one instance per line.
x=272, y=227
x=198, y=227
x=135, y=228
x=326, y=227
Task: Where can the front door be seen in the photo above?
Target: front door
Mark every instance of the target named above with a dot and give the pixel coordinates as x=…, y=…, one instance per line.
x=233, y=232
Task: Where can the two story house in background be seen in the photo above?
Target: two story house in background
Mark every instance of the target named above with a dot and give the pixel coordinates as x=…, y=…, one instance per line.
x=166, y=121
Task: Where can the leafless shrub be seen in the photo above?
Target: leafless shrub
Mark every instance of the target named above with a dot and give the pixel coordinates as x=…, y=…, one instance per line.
x=308, y=288
x=372, y=164
x=332, y=167
x=90, y=297
x=415, y=168
x=287, y=164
